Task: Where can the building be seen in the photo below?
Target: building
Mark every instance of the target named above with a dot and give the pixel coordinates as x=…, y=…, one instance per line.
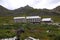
x=30, y=19
x=19, y=19
x=47, y=20
x=33, y=19
x=31, y=38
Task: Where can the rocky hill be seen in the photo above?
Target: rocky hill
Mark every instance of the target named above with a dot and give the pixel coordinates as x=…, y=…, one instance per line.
x=57, y=9
x=4, y=11
x=29, y=11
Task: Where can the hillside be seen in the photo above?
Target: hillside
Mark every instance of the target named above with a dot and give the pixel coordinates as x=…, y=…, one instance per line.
x=27, y=10
x=4, y=11
x=57, y=9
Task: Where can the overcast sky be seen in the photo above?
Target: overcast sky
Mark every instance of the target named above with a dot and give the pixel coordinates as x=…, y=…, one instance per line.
x=14, y=4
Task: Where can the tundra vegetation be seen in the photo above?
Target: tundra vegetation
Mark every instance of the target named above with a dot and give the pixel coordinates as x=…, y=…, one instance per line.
x=41, y=31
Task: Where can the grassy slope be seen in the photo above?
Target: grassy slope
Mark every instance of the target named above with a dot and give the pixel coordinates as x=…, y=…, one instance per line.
x=34, y=30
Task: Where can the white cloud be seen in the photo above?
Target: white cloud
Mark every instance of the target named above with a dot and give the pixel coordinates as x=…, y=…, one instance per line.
x=13, y=4
x=49, y=4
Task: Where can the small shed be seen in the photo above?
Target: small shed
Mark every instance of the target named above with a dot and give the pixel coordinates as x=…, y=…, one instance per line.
x=47, y=20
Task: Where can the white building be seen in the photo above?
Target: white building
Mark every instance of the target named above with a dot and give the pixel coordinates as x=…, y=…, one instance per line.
x=33, y=19
x=20, y=19
x=47, y=20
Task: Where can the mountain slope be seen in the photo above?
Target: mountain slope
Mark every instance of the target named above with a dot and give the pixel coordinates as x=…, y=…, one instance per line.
x=4, y=11
x=57, y=9
x=28, y=11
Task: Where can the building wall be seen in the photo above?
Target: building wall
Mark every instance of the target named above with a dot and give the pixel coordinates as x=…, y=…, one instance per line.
x=34, y=20
x=31, y=20
x=20, y=20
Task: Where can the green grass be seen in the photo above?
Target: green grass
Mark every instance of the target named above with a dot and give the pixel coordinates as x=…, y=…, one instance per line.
x=34, y=30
